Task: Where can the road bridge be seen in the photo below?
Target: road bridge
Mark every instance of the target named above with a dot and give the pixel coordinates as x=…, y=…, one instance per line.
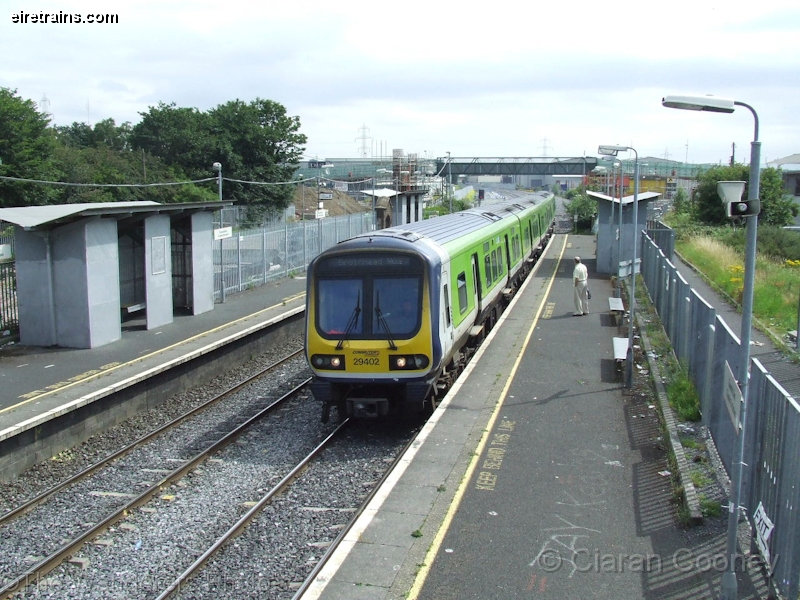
x=543, y=165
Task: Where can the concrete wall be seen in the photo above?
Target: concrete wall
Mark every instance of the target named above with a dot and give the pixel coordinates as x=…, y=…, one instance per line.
x=36, y=320
x=202, y=262
x=86, y=283
x=608, y=253
x=158, y=270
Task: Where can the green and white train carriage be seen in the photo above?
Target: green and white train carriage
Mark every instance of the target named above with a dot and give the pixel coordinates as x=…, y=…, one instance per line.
x=392, y=316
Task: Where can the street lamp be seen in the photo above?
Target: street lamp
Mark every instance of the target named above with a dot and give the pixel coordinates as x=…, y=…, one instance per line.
x=613, y=151
x=217, y=166
x=449, y=182
x=729, y=586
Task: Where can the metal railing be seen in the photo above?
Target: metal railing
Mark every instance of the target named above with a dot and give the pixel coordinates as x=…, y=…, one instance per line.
x=9, y=315
x=254, y=257
x=771, y=477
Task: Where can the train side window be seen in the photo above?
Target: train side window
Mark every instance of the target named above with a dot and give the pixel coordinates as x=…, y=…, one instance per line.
x=487, y=266
x=462, y=292
x=501, y=263
x=494, y=265
x=447, y=304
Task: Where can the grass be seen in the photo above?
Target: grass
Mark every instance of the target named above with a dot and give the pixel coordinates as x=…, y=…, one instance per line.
x=683, y=397
x=710, y=508
x=692, y=444
x=699, y=479
x=776, y=284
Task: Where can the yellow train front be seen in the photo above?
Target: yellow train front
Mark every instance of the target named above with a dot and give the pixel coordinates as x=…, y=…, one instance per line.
x=370, y=327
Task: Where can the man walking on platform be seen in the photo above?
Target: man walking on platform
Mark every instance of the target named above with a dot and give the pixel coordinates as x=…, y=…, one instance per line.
x=580, y=276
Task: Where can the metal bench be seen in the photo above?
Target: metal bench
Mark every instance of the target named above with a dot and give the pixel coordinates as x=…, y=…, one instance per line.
x=132, y=308
x=617, y=310
x=620, y=349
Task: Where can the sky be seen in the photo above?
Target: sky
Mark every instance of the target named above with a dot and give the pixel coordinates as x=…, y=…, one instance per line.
x=488, y=79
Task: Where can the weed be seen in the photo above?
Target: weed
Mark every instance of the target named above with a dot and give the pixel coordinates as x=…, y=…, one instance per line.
x=699, y=479
x=416, y=533
x=710, y=508
x=692, y=443
x=683, y=397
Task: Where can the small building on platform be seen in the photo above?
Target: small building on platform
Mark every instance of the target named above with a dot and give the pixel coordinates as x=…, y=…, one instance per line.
x=615, y=241
x=81, y=267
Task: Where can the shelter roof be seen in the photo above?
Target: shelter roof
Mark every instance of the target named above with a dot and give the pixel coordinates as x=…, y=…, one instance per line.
x=32, y=218
x=381, y=193
x=625, y=199
x=789, y=163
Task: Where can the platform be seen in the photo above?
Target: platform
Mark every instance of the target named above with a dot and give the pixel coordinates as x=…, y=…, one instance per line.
x=538, y=476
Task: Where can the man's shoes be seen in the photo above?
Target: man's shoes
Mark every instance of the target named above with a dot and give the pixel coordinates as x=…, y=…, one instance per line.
x=584, y=314
x=577, y=314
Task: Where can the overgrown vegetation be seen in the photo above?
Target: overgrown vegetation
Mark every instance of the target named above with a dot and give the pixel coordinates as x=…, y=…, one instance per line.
x=254, y=141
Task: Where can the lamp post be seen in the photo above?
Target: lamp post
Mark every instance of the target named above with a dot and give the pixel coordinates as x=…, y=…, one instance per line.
x=449, y=183
x=217, y=166
x=613, y=151
x=729, y=586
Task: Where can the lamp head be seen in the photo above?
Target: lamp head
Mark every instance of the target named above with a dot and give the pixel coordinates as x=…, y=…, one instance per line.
x=217, y=166
x=611, y=150
x=730, y=191
x=705, y=103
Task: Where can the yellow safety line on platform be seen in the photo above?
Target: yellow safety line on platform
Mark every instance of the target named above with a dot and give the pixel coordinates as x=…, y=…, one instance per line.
x=422, y=574
x=141, y=358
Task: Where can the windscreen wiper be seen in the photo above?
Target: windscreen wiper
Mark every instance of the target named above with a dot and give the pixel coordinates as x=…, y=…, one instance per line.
x=382, y=321
x=351, y=324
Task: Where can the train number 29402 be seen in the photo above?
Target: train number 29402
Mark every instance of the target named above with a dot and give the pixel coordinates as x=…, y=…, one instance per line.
x=374, y=362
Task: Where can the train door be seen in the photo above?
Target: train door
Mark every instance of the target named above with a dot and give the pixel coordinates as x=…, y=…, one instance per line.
x=508, y=256
x=477, y=290
x=446, y=316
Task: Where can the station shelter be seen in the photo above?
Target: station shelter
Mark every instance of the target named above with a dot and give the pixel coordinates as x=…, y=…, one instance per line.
x=615, y=242
x=81, y=267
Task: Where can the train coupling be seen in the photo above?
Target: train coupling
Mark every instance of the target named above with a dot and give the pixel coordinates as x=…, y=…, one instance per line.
x=367, y=408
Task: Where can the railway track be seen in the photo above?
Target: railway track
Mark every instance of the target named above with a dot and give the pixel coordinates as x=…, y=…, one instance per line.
x=35, y=529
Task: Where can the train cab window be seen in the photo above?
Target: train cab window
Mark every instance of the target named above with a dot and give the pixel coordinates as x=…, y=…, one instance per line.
x=462, y=292
x=340, y=302
x=397, y=305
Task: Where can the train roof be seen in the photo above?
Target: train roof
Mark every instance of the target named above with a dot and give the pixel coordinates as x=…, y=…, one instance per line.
x=449, y=228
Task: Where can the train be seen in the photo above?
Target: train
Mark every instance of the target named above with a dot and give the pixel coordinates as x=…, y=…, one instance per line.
x=393, y=315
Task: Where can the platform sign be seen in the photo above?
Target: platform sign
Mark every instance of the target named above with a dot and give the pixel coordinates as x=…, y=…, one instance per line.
x=223, y=233
x=764, y=527
x=325, y=196
x=321, y=213
x=732, y=396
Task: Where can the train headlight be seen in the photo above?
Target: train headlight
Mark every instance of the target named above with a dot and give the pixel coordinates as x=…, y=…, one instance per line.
x=408, y=362
x=333, y=362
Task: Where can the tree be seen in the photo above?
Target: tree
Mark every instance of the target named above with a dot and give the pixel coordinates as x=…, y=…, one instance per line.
x=254, y=141
x=26, y=150
x=105, y=132
x=582, y=206
x=776, y=208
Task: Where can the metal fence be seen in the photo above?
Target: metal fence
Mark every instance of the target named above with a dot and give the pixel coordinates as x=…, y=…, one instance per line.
x=9, y=315
x=253, y=257
x=771, y=478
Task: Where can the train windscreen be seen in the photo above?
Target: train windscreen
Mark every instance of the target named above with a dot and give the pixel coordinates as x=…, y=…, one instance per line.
x=369, y=297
